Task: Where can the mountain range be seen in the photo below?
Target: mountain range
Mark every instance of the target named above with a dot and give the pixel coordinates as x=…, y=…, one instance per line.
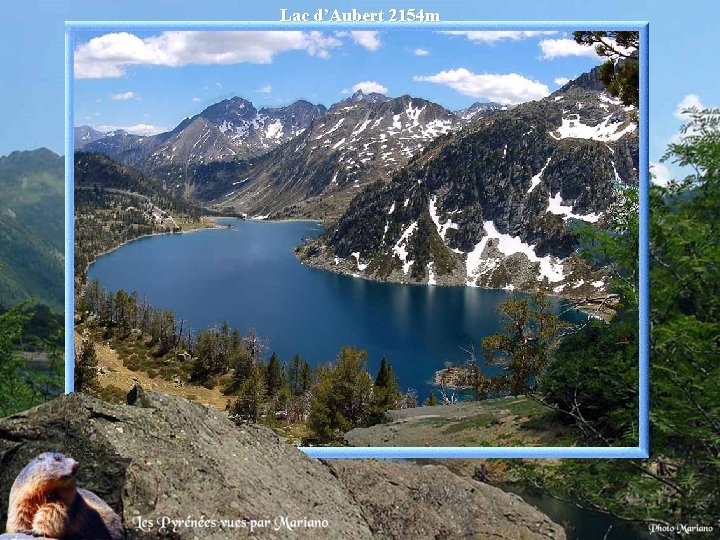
x=496, y=204
x=228, y=130
x=31, y=227
x=302, y=160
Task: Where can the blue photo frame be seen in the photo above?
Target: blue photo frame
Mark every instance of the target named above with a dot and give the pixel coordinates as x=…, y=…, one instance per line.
x=640, y=451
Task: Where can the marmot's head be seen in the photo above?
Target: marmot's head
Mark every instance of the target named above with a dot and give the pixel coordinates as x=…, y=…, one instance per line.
x=53, y=470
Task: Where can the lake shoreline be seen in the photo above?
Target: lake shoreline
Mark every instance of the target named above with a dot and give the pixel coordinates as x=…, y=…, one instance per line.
x=598, y=307
x=150, y=235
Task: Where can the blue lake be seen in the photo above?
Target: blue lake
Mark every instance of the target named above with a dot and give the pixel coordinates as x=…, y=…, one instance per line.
x=248, y=275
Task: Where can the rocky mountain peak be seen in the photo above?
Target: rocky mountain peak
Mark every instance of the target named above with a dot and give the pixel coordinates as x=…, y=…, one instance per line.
x=233, y=110
x=371, y=97
x=586, y=81
x=232, y=129
x=479, y=109
x=352, y=145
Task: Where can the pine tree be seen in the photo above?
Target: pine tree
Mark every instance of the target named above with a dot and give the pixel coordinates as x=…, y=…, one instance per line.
x=86, y=364
x=431, y=400
x=299, y=375
x=342, y=399
x=530, y=336
x=386, y=393
x=621, y=72
x=252, y=396
x=275, y=376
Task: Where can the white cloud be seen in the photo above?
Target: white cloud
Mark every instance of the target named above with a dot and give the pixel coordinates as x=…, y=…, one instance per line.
x=367, y=39
x=137, y=129
x=107, y=56
x=264, y=89
x=688, y=102
x=660, y=174
x=123, y=96
x=561, y=81
x=196, y=99
x=555, y=48
x=509, y=88
x=370, y=86
x=345, y=91
x=491, y=37
x=421, y=52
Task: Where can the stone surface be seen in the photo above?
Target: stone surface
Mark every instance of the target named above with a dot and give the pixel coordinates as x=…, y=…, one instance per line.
x=166, y=457
x=409, y=501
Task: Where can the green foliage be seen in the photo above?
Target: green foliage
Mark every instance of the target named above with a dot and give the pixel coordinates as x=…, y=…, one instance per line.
x=22, y=387
x=594, y=376
x=621, y=73
x=342, y=398
x=275, y=376
x=86, y=365
x=386, y=393
x=679, y=482
x=616, y=246
x=431, y=400
x=530, y=336
x=170, y=346
x=299, y=375
x=252, y=397
x=31, y=228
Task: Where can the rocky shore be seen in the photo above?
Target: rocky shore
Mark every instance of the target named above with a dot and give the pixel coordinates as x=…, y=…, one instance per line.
x=585, y=288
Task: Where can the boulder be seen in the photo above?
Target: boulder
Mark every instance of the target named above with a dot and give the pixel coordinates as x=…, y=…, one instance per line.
x=163, y=458
x=401, y=500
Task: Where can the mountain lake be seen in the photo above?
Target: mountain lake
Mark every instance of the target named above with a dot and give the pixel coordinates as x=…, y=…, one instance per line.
x=246, y=274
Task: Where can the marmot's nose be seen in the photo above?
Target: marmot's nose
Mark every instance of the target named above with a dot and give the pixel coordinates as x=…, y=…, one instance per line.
x=75, y=466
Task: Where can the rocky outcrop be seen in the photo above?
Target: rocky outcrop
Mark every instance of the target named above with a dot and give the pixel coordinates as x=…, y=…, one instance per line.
x=402, y=501
x=165, y=457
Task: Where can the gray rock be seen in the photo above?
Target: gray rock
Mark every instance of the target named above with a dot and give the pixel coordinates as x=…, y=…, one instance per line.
x=409, y=501
x=176, y=459
x=167, y=457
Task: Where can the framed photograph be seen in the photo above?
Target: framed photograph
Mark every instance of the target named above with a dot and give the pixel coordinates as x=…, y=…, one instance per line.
x=382, y=241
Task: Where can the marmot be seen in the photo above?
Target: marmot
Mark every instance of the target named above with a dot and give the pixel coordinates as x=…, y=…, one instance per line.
x=45, y=501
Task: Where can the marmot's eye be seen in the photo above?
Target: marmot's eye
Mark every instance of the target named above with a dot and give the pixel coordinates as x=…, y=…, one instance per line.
x=57, y=458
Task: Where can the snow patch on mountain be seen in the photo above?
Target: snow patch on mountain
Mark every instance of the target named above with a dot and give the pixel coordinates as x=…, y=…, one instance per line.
x=606, y=130
x=535, y=180
x=442, y=229
x=556, y=206
x=400, y=247
x=477, y=264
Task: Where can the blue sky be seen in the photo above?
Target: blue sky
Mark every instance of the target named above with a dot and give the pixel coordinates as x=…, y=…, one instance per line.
x=682, y=36
x=276, y=68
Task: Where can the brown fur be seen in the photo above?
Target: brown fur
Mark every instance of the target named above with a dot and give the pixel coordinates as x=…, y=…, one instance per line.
x=45, y=501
